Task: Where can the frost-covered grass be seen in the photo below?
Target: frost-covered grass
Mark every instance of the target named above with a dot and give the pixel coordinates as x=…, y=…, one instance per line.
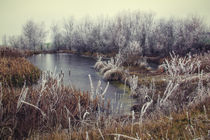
x=187, y=124
x=111, y=69
x=46, y=107
x=50, y=110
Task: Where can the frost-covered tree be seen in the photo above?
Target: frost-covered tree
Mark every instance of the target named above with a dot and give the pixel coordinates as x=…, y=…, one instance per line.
x=35, y=34
x=14, y=42
x=57, y=37
x=17, y=42
x=151, y=35
x=132, y=53
x=4, y=40
x=69, y=32
x=189, y=34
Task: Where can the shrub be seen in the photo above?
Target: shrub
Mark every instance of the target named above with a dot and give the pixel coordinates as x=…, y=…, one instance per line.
x=177, y=66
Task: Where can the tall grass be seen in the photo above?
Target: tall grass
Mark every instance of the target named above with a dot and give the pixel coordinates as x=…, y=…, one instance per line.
x=16, y=71
x=47, y=106
x=187, y=124
x=50, y=110
x=10, y=52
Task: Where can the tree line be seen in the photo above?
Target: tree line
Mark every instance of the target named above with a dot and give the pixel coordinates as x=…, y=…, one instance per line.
x=138, y=33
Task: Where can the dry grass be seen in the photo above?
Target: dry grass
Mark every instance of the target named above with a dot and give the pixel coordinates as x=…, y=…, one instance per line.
x=205, y=62
x=50, y=110
x=104, y=69
x=185, y=114
x=99, y=65
x=191, y=123
x=46, y=107
x=9, y=52
x=16, y=71
x=114, y=75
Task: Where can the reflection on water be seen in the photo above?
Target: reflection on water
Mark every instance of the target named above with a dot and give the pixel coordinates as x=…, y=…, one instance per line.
x=79, y=68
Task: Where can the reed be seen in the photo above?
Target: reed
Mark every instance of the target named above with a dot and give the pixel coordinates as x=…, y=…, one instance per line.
x=187, y=124
x=11, y=52
x=47, y=106
x=16, y=71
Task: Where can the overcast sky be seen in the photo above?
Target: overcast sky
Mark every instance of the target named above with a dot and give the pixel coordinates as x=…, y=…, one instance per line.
x=14, y=13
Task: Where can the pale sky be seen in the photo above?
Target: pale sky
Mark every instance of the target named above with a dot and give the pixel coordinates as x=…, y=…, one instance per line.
x=15, y=13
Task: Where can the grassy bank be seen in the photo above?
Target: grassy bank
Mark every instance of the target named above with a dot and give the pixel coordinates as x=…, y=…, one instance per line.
x=15, y=69
x=173, y=102
x=192, y=123
x=46, y=107
x=177, y=88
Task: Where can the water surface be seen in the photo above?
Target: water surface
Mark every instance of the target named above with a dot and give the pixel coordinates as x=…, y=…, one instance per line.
x=79, y=68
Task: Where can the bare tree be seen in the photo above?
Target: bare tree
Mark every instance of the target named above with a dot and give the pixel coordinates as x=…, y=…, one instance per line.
x=57, y=37
x=14, y=41
x=4, y=40
x=127, y=32
x=34, y=34
x=68, y=33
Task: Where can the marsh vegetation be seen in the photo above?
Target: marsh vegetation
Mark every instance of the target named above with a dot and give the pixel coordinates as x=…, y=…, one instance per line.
x=164, y=62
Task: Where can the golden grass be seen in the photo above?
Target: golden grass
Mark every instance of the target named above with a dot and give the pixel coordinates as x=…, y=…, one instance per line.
x=10, y=52
x=15, y=71
x=188, y=123
x=191, y=123
x=54, y=100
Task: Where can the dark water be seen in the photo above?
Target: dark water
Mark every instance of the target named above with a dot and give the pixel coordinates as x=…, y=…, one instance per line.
x=80, y=67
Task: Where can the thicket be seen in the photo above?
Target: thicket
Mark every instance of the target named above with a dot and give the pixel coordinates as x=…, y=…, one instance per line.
x=133, y=34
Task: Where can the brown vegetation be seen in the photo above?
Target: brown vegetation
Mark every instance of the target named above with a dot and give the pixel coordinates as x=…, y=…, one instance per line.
x=46, y=107
x=116, y=74
x=16, y=71
x=190, y=123
x=169, y=107
x=9, y=52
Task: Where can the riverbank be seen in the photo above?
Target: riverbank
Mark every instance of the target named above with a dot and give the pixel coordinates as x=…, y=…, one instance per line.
x=15, y=70
x=94, y=55
x=28, y=106
x=188, y=124
x=169, y=106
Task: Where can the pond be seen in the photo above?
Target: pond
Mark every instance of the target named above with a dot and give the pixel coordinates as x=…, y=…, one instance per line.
x=80, y=67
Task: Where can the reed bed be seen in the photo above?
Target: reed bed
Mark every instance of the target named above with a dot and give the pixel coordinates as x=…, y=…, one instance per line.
x=46, y=107
x=11, y=52
x=50, y=110
x=16, y=71
x=191, y=123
